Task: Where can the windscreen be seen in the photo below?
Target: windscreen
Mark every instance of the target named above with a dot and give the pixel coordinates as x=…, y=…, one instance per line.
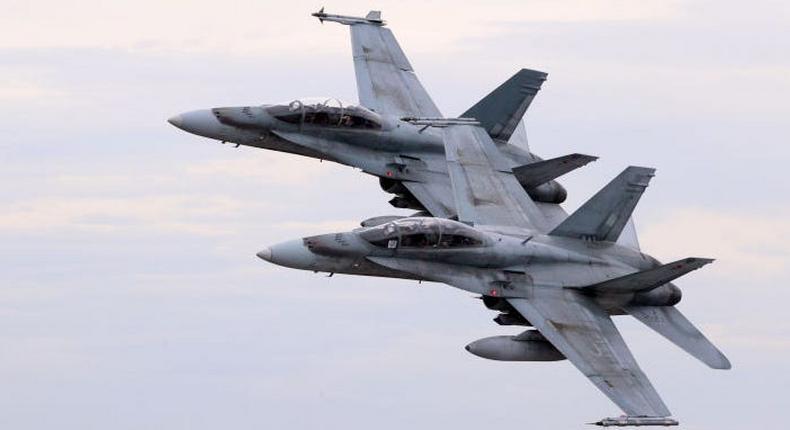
x=422, y=232
x=329, y=113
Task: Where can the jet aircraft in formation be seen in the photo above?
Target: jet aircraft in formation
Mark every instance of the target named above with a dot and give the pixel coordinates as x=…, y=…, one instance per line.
x=487, y=218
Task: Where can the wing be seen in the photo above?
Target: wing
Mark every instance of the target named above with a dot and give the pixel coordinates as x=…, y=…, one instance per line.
x=585, y=334
x=484, y=187
x=386, y=81
x=433, y=195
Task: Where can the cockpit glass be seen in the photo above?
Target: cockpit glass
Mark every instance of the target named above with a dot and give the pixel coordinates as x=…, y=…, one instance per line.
x=421, y=232
x=326, y=113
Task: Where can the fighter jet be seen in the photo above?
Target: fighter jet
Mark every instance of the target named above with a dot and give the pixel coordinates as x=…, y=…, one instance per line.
x=488, y=219
x=564, y=281
x=383, y=134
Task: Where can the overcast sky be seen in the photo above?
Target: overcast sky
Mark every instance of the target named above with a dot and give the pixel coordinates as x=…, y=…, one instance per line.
x=130, y=294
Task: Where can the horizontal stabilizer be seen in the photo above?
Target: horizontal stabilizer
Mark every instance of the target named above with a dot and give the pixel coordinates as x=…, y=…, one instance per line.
x=649, y=279
x=533, y=174
x=607, y=212
x=670, y=323
x=501, y=110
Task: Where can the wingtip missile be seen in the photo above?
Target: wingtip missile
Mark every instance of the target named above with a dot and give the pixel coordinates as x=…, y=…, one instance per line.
x=320, y=14
x=628, y=421
x=373, y=18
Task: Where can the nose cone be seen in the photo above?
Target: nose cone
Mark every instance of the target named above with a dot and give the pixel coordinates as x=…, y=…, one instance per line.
x=473, y=348
x=175, y=120
x=200, y=122
x=290, y=254
x=265, y=254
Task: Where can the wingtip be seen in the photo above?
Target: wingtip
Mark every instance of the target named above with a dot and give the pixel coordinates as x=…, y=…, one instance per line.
x=644, y=169
x=702, y=261
x=585, y=157
x=723, y=362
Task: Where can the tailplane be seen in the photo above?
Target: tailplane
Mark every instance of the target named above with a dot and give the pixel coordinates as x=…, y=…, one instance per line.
x=648, y=279
x=670, y=323
x=533, y=174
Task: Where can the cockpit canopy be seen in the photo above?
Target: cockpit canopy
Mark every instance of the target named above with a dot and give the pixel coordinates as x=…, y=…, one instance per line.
x=327, y=113
x=423, y=232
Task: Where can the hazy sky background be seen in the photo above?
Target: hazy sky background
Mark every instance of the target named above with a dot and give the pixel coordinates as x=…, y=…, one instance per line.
x=130, y=294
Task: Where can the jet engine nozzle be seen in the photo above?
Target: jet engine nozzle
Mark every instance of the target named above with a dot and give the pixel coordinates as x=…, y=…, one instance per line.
x=666, y=295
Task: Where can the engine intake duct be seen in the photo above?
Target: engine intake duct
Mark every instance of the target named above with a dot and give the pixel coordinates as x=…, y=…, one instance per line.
x=403, y=199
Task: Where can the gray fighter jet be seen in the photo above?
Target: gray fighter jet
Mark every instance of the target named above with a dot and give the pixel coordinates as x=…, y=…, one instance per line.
x=488, y=220
x=383, y=135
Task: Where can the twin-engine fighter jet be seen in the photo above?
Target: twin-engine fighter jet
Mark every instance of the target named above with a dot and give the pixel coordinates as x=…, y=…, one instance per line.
x=488, y=220
x=383, y=134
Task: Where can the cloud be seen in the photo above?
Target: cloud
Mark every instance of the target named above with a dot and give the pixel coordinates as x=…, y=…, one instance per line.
x=16, y=90
x=203, y=215
x=321, y=227
x=265, y=166
x=745, y=244
x=261, y=26
x=759, y=335
x=130, y=245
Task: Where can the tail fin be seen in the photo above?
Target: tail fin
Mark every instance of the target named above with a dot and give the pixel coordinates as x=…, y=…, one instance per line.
x=670, y=323
x=649, y=279
x=533, y=174
x=501, y=110
x=607, y=212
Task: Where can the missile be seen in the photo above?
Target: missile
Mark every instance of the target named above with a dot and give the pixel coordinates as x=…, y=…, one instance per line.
x=373, y=17
x=625, y=421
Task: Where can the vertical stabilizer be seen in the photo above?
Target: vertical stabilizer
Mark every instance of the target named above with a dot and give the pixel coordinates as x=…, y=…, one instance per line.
x=502, y=109
x=604, y=216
